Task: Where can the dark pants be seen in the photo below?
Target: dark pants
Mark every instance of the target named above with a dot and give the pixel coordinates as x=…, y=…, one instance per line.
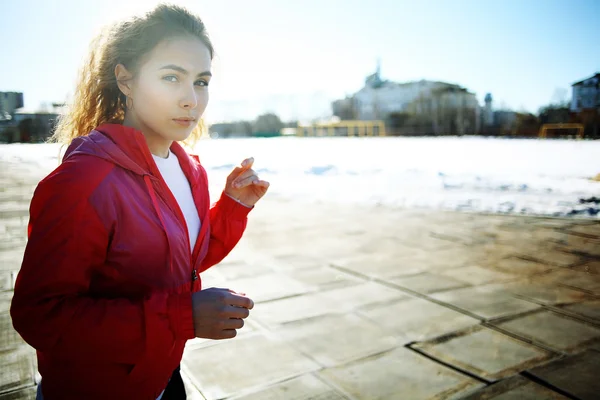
x=175, y=390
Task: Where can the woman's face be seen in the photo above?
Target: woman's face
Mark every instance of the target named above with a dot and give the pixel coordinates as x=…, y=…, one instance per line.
x=170, y=91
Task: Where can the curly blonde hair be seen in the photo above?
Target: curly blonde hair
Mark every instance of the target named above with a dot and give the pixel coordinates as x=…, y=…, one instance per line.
x=97, y=98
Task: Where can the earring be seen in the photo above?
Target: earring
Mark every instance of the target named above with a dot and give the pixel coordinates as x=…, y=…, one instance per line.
x=128, y=102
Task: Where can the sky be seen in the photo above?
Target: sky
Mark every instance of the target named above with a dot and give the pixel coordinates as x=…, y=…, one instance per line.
x=295, y=57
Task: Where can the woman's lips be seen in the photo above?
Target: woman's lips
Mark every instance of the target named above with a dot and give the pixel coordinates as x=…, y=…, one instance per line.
x=184, y=122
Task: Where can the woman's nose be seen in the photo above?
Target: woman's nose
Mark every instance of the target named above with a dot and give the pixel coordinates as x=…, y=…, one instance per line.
x=189, y=100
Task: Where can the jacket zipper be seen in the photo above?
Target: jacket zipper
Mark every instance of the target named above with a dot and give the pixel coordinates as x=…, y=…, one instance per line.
x=174, y=205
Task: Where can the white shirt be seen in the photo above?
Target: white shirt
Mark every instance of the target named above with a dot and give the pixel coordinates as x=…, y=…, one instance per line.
x=180, y=187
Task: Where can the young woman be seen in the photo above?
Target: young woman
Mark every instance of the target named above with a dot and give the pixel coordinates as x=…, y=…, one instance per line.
x=109, y=290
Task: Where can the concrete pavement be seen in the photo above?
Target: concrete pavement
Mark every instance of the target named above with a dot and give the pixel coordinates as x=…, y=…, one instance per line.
x=356, y=302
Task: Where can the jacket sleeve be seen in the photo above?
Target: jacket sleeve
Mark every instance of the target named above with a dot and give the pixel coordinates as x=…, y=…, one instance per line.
x=52, y=309
x=228, y=220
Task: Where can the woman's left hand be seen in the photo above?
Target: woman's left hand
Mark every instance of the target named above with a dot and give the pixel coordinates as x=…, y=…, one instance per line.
x=244, y=185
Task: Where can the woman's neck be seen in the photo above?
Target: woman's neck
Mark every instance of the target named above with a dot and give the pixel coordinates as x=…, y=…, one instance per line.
x=158, y=145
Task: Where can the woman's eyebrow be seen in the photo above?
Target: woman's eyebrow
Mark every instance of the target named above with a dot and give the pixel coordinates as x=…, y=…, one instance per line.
x=183, y=70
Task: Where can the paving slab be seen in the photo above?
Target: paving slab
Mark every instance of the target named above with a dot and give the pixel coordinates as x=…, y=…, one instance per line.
x=476, y=275
x=486, y=353
x=576, y=375
x=239, y=269
x=10, y=260
x=425, y=242
x=555, y=222
x=546, y=292
x=338, y=300
x=539, y=234
x=461, y=234
x=16, y=368
x=589, y=309
x=485, y=302
x=591, y=230
x=381, y=265
x=274, y=313
x=576, y=279
x=453, y=257
x=337, y=339
x=9, y=338
x=552, y=257
x=515, y=388
x=243, y=364
x=323, y=277
x=521, y=267
x=399, y=374
x=23, y=394
x=211, y=278
x=586, y=246
x=305, y=387
x=295, y=261
x=12, y=243
x=352, y=297
x=268, y=287
x=553, y=330
x=389, y=245
x=417, y=319
x=6, y=280
x=590, y=266
x=426, y=282
x=5, y=299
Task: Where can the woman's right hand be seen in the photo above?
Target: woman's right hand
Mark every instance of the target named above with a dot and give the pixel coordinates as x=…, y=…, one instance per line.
x=219, y=312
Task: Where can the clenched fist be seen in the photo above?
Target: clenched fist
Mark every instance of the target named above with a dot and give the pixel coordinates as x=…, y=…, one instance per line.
x=219, y=312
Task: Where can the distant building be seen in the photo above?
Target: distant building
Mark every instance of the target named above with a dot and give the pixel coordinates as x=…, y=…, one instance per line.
x=497, y=122
x=586, y=94
x=379, y=97
x=9, y=103
x=505, y=119
x=437, y=107
x=585, y=105
x=488, y=113
x=20, y=125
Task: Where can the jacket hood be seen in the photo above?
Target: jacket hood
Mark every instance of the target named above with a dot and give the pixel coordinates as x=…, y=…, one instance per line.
x=126, y=147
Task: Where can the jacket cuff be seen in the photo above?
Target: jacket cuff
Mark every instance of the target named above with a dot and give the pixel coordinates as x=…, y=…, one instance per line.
x=180, y=316
x=232, y=208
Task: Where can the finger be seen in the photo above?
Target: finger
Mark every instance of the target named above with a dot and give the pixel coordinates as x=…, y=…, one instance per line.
x=235, y=173
x=235, y=312
x=247, y=163
x=234, y=292
x=228, y=290
x=239, y=301
x=264, y=184
x=228, y=334
x=240, y=183
x=244, y=174
x=234, y=323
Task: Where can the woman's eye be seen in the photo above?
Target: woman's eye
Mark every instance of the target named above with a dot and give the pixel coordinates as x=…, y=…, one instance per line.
x=170, y=78
x=202, y=83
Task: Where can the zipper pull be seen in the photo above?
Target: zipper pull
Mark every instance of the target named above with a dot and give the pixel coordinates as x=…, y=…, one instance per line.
x=194, y=275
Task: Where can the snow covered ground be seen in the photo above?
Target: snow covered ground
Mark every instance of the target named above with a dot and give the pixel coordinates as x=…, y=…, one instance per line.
x=536, y=177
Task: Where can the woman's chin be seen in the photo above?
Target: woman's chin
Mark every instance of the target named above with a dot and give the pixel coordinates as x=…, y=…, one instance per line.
x=180, y=134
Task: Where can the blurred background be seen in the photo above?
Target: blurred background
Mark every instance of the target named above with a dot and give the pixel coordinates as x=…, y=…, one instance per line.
x=419, y=97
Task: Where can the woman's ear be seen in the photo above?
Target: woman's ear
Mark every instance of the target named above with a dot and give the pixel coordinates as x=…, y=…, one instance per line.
x=123, y=79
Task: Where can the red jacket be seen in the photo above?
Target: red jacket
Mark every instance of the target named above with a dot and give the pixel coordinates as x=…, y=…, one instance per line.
x=104, y=291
